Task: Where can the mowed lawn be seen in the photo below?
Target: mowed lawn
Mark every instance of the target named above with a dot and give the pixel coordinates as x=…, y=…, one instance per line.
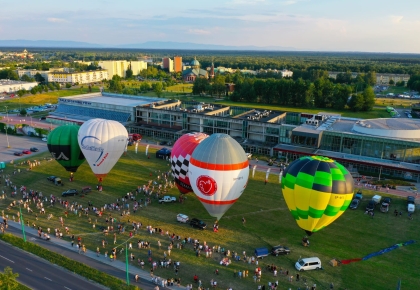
x=268, y=223
x=29, y=100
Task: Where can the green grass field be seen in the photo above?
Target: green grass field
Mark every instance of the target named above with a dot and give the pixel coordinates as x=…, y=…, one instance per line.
x=396, y=103
x=268, y=223
x=40, y=99
x=180, y=88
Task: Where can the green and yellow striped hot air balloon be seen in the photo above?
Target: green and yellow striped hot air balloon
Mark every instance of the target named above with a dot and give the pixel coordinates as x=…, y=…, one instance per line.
x=317, y=191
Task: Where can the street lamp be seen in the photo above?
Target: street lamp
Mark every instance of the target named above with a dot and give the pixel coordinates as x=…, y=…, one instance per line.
x=7, y=137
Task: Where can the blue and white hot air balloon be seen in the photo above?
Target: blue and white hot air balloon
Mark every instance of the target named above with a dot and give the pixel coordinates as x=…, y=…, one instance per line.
x=102, y=143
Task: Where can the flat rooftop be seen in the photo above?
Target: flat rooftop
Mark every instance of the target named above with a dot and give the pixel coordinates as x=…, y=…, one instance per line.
x=12, y=82
x=112, y=99
x=343, y=125
x=260, y=115
x=393, y=124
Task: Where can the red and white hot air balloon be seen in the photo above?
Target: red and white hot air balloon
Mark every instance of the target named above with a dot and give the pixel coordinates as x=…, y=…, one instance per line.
x=218, y=173
x=180, y=159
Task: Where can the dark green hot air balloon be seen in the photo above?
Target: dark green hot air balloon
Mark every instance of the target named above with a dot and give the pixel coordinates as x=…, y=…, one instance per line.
x=64, y=147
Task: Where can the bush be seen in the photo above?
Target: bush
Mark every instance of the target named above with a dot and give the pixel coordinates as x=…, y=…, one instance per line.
x=74, y=266
x=68, y=86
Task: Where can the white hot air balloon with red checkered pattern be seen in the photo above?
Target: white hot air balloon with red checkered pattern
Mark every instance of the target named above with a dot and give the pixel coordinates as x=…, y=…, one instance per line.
x=218, y=172
x=180, y=159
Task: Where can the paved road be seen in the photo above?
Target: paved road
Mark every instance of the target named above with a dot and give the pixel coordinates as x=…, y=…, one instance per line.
x=39, y=274
x=116, y=269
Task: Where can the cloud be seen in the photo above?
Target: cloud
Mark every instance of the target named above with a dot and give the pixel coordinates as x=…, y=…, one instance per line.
x=56, y=20
x=396, y=18
x=198, y=31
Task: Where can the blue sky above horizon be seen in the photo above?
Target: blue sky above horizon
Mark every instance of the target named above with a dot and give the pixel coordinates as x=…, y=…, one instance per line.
x=321, y=25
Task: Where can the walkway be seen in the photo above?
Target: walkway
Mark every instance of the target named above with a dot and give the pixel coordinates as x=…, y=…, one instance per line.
x=32, y=235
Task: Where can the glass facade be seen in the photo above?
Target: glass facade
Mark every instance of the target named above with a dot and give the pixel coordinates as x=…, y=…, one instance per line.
x=370, y=146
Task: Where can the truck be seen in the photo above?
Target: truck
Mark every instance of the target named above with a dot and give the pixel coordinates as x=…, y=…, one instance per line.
x=167, y=199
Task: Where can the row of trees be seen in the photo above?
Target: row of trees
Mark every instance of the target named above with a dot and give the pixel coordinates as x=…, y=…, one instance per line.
x=322, y=93
x=115, y=85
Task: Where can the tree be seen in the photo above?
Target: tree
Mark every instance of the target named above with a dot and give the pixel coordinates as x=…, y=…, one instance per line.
x=8, y=279
x=370, y=78
x=145, y=86
x=9, y=74
x=158, y=89
x=218, y=85
x=368, y=99
x=115, y=85
x=391, y=82
x=340, y=96
x=356, y=102
x=68, y=85
x=39, y=78
x=129, y=72
x=20, y=93
x=199, y=86
x=26, y=78
x=23, y=112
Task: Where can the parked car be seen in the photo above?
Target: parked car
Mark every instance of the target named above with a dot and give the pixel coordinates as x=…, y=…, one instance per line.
x=359, y=195
x=26, y=152
x=280, y=250
x=411, y=206
x=196, y=223
x=166, y=199
x=370, y=206
x=86, y=189
x=182, y=218
x=354, y=203
x=44, y=139
x=18, y=153
x=70, y=192
x=51, y=178
x=377, y=199
x=305, y=264
x=163, y=143
x=34, y=149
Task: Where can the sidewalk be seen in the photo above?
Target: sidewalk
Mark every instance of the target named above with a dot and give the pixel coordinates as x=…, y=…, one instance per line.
x=144, y=275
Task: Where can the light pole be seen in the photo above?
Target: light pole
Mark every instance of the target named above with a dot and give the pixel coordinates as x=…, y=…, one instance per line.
x=7, y=137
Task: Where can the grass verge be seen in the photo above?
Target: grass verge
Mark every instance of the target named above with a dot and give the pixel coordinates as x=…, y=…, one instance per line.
x=74, y=266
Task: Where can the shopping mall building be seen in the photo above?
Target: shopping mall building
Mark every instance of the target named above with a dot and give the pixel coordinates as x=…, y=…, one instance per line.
x=390, y=147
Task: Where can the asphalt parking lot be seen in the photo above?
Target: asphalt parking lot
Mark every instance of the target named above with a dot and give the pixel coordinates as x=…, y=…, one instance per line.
x=18, y=144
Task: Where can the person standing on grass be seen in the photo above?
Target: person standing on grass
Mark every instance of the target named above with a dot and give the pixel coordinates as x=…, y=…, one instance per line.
x=136, y=278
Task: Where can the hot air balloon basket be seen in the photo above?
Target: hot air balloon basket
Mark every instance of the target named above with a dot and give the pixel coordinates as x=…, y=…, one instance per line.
x=334, y=262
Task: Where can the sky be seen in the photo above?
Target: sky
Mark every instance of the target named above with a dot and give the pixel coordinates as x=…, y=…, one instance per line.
x=314, y=25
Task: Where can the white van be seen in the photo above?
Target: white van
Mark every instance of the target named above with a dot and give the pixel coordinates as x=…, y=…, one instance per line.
x=305, y=264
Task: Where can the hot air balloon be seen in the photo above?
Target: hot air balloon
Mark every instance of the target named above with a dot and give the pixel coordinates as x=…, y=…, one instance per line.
x=180, y=159
x=317, y=191
x=102, y=142
x=218, y=172
x=63, y=146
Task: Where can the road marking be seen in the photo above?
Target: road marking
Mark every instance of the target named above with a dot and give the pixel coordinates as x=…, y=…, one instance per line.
x=7, y=259
x=28, y=269
x=67, y=287
x=48, y=278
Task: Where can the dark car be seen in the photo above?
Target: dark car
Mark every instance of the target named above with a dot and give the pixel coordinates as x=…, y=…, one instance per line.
x=163, y=143
x=33, y=149
x=70, y=192
x=18, y=153
x=43, y=118
x=387, y=200
x=51, y=178
x=280, y=250
x=196, y=223
x=354, y=203
x=370, y=206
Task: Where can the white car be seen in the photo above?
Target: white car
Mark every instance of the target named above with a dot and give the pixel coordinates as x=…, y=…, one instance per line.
x=182, y=218
x=44, y=139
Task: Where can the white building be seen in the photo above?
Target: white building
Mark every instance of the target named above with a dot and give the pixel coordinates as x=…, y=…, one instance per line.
x=119, y=67
x=9, y=86
x=32, y=72
x=285, y=73
x=85, y=77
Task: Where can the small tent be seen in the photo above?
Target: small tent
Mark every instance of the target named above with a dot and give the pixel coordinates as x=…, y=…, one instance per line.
x=163, y=153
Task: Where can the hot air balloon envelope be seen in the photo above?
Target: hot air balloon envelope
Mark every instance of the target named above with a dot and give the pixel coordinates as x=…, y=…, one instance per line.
x=218, y=173
x=180, y=159
x=63, y=146
x=317, y=190
x=102, y=142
